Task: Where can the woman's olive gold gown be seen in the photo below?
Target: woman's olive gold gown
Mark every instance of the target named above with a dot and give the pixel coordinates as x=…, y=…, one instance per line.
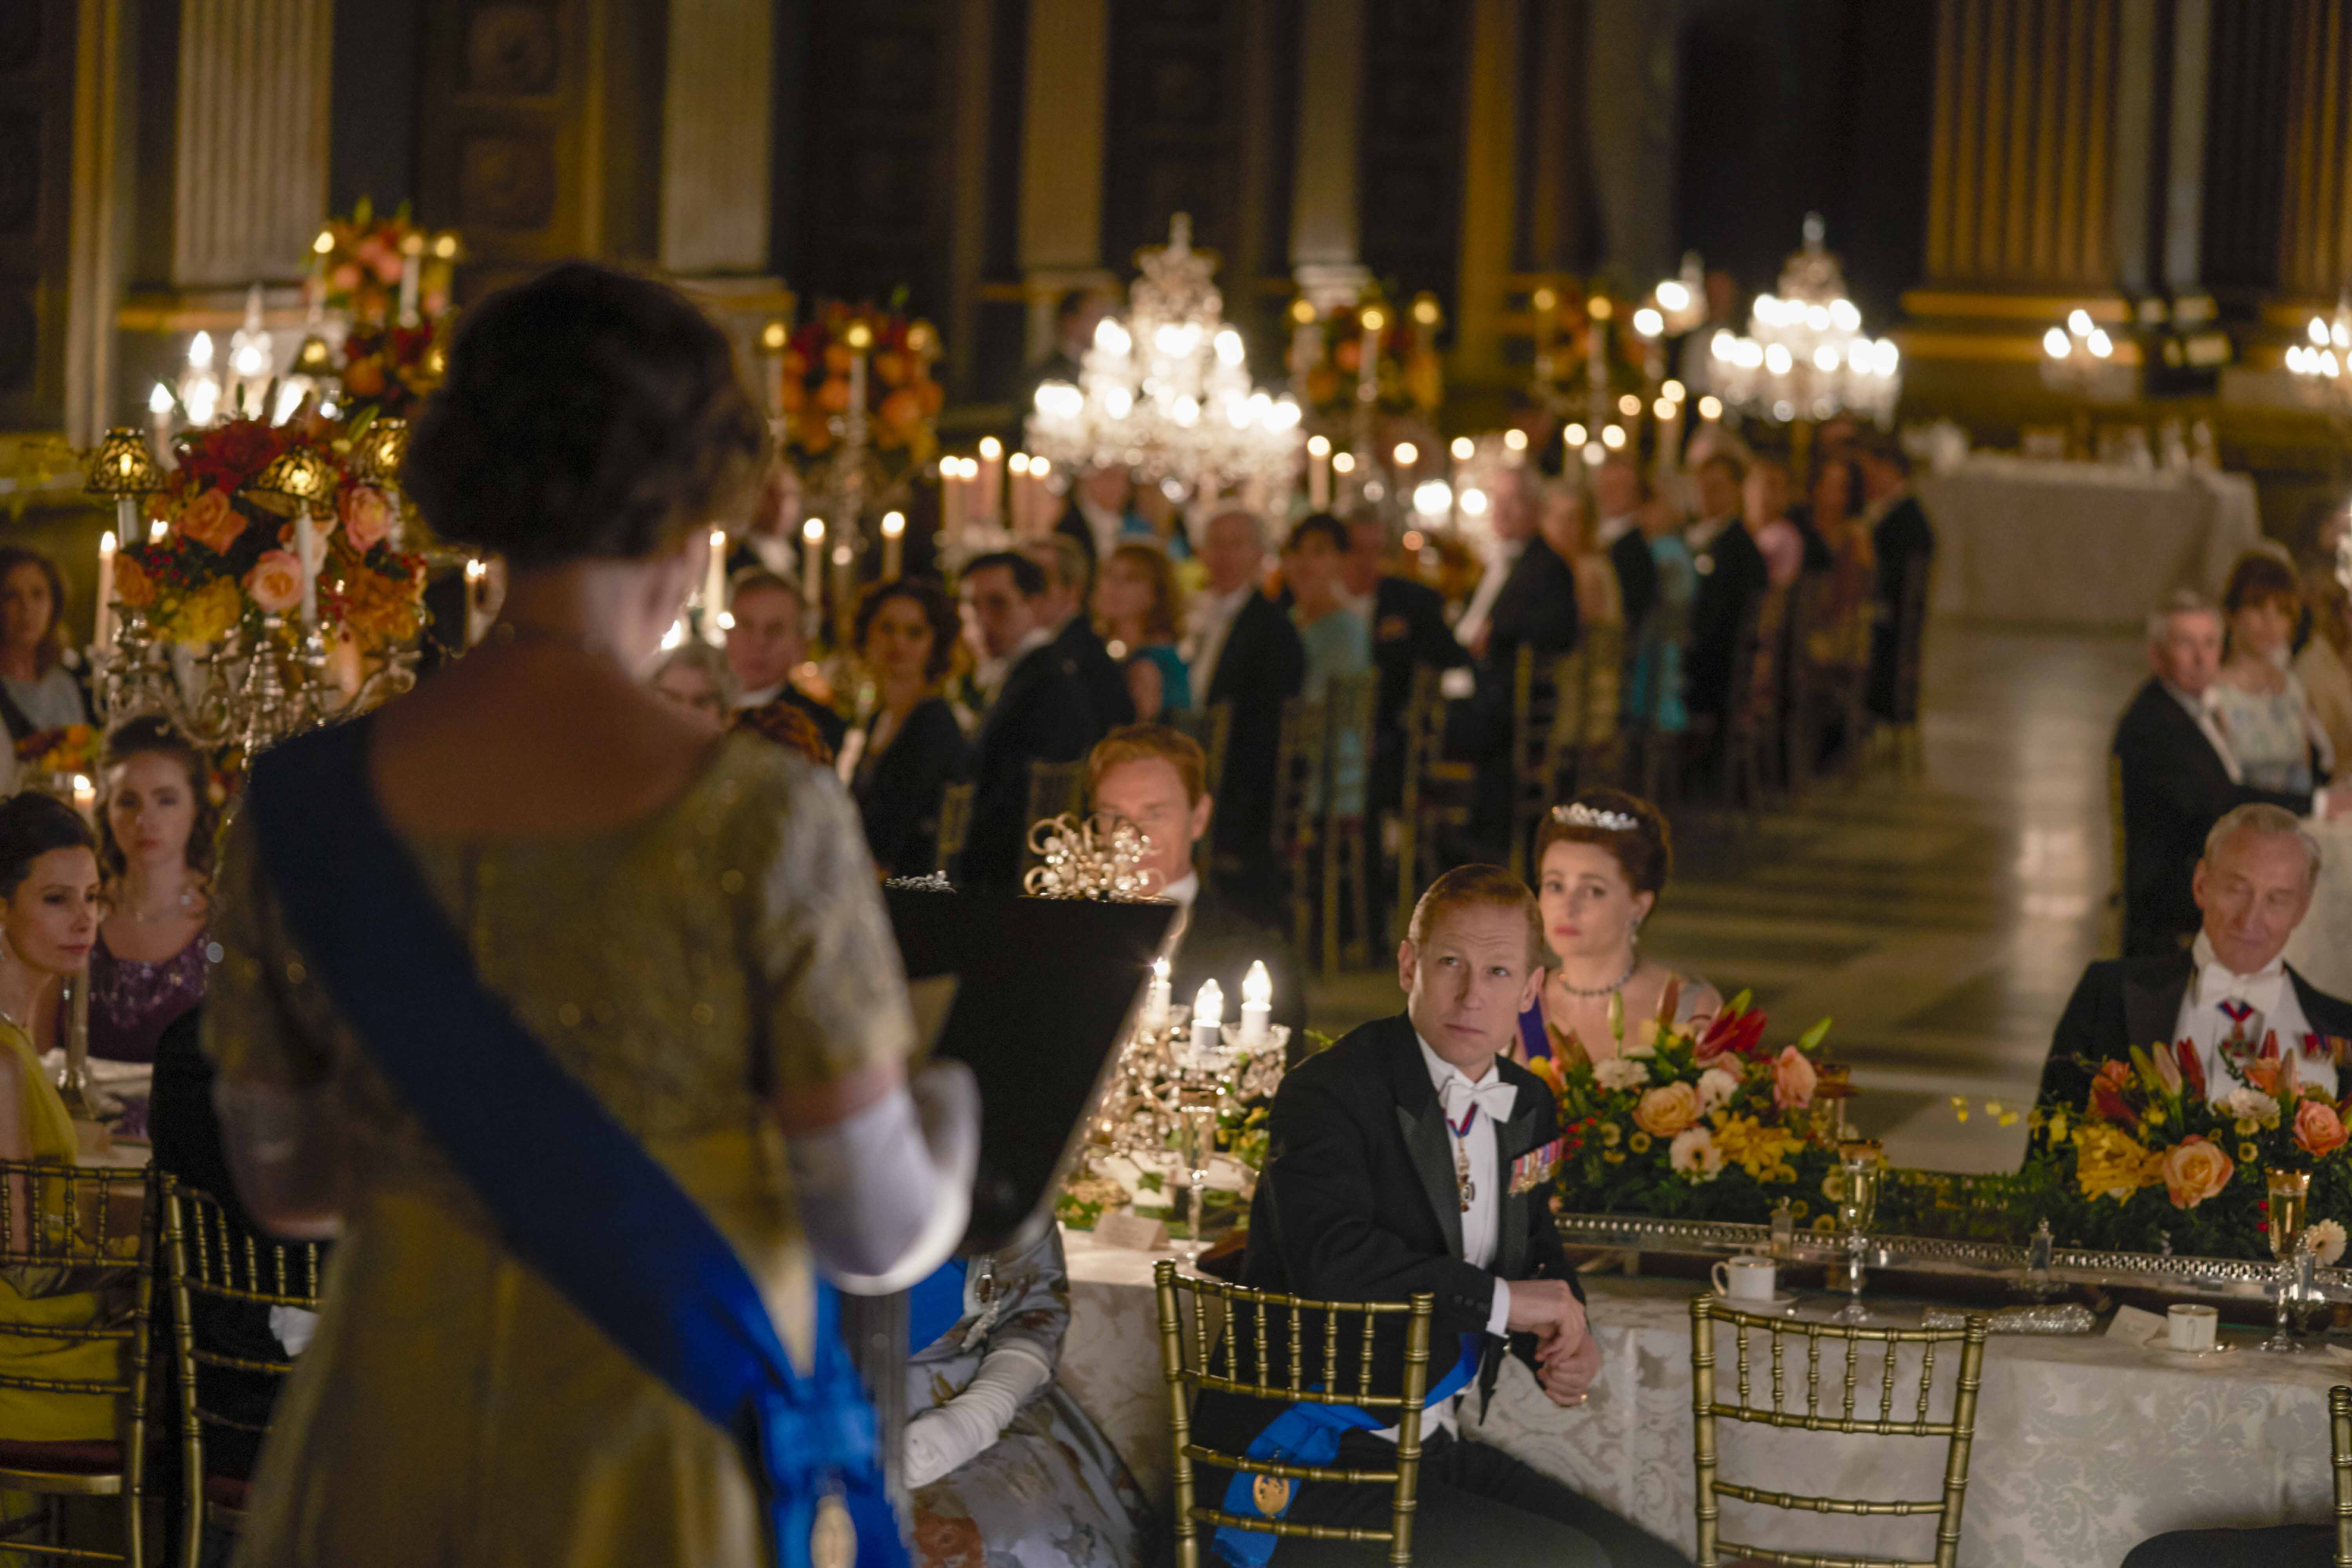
x=452, y=1408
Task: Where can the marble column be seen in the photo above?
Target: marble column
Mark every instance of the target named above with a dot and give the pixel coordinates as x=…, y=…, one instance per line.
x=1489, y=190
x=717, y=115
x=1325, y=257
x=1060, y=242
x=250, y=177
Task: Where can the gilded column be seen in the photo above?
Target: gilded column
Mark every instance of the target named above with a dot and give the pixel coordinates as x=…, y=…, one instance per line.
x=250, y=181
x=1062, y=158
x=1489, y=190
x=1326, y=257
x=2315, y=222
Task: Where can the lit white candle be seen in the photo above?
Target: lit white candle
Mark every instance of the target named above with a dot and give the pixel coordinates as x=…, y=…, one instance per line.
x=1016, y=499
x=306, y=550
x=474, y=618
x=1319, y=473
x=102, y=636
x=992, y=459
x=1257, y=1004
x=714, y=586
x=411, y=250
x=1207, y=1014
x=1156, y=997
x=894, y=544
x=813, y=562
x=159, y=419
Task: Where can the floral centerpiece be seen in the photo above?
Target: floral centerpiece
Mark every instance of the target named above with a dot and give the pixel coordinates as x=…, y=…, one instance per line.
x=68, y=749
x=2150, y=1161
x=225, y=557
x=819, y=371
x=388, y=282
x=1710, y=1126
x=1408, y=374
x=1568, y=333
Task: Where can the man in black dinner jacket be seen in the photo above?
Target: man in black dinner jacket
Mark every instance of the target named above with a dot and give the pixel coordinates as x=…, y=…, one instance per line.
x=1242, y=651
x=1408, y=622
x=1619, y=492
x=1039, y=713
x=2177, y=777
x=1731, y=576
x=1069, y=575
x=1415, y=1156
x=1533, y=605
x=1901, y=535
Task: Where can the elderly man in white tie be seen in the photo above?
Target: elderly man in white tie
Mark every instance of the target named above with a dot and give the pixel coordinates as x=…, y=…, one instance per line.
x=2230, y=996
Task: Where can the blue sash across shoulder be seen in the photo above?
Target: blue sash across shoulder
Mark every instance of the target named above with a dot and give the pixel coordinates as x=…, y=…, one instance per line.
x=577, y=1197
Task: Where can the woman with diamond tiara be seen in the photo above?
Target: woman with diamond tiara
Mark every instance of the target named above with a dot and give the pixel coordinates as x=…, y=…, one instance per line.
x=1602, y=861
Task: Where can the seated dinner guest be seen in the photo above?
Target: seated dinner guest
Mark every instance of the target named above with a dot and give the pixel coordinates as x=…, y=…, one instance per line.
x=1602, y=861
x=155, y=843
x=912, y=747
x=2256, y=699
x=1410, y=1157
x=1138, y=606
x=1002, y=1466
x=49, y=915
x=2179, y=775
x=602, y=1333
x=1242, y=651
x=766, y=643
x=42, y=683
x=1408, y=622
x=1157, y=778
x=1069, y=578
x=696, y=676
x=2230, y=995
x=1037, y=711
x=1338, y=644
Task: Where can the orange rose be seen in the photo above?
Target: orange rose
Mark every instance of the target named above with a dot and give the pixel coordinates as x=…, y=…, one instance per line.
x=211, y=521
x=2194, y=1169
x=1792, y=1079
x=133, y=589
x=833, y=395
x=367, y=516
x=2318, y=1130
x=1663, y=1113
x=276, y=580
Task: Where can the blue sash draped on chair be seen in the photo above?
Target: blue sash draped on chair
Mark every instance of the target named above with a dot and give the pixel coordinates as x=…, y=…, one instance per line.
x=576, y=1196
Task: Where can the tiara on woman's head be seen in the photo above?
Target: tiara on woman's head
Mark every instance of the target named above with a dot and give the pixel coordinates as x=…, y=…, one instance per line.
x=1578, y=815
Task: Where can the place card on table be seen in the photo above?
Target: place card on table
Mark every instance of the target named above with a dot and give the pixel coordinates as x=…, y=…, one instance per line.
x=2133, y=1326
x=1131, y=1231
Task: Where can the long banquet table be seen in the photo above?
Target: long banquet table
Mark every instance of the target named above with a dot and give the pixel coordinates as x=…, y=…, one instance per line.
x=2085, y=545
x=2084, y=1445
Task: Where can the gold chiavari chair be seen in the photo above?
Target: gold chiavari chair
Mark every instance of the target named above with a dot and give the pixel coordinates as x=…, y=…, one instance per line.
x=1436, y=794
x=955, y=825
x=1211, y=729
x=1289, y=1376
x=1547, y=715
x=1598, y=749
x=211, y=1258
x=1910, y=649
x=1055, y=789
x=78, y=1231
x=1958, y=1432
x=1298, y=805
x=2339, y=1434
x=1351, y=710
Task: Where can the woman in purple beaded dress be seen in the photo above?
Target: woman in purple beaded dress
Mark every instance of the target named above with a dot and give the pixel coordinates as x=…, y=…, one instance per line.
x=157, y=828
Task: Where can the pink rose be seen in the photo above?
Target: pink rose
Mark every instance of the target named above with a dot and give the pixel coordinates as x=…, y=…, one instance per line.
x=1792, y=1079
x=367, y=516
x=211, y=521
x=276, y=580
x=1666, y=1111
x=2194, y=1169
x=2318, y=1130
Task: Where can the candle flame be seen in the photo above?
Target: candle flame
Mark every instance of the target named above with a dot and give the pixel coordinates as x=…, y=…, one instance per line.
x=1257, y=986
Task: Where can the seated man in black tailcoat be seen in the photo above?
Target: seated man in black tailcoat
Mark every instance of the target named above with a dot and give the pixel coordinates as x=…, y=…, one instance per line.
x=1157, y=778
x=1415, y=1156
x=2230, y=993
x=1409, y=630
x=2177, y=777
x=1036, y=713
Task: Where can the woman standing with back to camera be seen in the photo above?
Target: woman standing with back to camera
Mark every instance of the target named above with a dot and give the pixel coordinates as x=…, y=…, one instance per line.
x=581, y=1025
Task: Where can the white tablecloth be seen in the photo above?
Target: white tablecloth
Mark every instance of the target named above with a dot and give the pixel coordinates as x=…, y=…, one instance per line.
x=2084, y=1447
x=2086, y=544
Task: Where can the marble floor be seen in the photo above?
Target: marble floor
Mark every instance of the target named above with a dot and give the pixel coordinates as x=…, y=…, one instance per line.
x=1940, y=919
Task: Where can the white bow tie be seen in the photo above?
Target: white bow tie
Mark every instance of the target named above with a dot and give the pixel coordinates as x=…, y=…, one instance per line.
x=2216, y=984
x=1494, y=1097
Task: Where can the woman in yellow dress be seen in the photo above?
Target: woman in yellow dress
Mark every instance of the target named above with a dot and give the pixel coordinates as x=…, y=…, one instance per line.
x=677, y=930
x=49, y=878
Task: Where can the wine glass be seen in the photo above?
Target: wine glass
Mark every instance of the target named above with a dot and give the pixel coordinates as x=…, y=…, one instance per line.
x=1858, y=1172
x=2290, y=1201
x=1200, y=1147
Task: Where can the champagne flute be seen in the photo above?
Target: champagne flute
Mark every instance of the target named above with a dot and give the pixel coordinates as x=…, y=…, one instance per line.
x=1858, y=1173
x=2290, y=1204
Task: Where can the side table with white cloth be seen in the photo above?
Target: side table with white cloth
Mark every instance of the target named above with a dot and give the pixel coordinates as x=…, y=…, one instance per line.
x=2084, y=1445
x=2081, y=544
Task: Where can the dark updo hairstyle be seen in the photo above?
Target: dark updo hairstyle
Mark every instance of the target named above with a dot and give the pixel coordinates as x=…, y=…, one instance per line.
x=1322, y=524
x=1645, y=852
x=939, y=612
x=150, y=735
x=586, y=413
x=2261, y=578
x=32, y=824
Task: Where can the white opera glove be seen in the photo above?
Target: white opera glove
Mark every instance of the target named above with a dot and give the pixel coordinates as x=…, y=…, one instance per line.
x=940, y=1439
x=885, y=1194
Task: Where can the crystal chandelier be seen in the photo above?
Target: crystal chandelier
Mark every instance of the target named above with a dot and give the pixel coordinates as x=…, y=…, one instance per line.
x=1167, y=394
x=1804, y=355
x=2323, y=368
